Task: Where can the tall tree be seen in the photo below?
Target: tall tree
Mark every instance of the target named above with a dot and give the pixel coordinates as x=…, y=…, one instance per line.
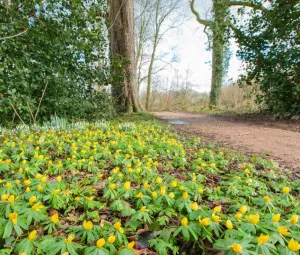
x=218, y=26
x=121, y=31
x=156, y=19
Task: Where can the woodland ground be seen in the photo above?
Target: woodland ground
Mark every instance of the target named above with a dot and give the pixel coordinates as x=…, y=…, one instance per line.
x=279, y=140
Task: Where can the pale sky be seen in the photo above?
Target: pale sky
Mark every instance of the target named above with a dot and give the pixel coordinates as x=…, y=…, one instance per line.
x=190, y=50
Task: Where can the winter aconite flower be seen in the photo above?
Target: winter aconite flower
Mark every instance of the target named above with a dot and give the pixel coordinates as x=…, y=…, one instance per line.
x=194, y=206
x=293, y=245
x=286, y=190
x=70, y=239
x=13, y=217
x=229, y=224
x=32, y=235
x=215, y=218
x=262, y=239
x=88, y=225
x=217, y=209
x=243, y=209
x=32, y=199
x=4, y=197
x=294, y=219
x=237, y=248
x=127, y=185
x=276, y=218
x=185, y=196
x=184, y=221
x=267, y=199
x=143, y=209
x=283, y=231
x=253, y=218
x=204, y=222
x=171, y=195
x=100, y=242
x=54, y=218
x=11, y=199
x=130, y=245
x=111, y=239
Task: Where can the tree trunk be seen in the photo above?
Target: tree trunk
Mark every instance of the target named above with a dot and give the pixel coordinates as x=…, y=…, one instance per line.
x=123, y=46
x=220, y=11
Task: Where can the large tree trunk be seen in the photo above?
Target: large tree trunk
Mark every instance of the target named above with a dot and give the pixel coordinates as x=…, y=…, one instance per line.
x=123, y=46
x=220, y=11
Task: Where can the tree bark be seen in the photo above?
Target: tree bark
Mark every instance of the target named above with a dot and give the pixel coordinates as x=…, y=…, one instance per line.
x=220, y=10
x=122, y=42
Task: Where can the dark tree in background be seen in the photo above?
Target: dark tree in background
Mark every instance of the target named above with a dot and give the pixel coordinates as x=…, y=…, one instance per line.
x=270, y=47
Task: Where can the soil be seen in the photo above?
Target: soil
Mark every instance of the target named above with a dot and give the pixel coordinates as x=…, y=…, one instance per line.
x=279, y=140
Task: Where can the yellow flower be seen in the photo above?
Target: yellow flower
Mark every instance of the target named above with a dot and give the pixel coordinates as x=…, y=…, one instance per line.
x=238, y=215
x=140, y=195
x=27, y=190
x=44, y=179
x=32, y=199
x=112, y=186
x=253, y=218
x=27, y=182
x=23, y=253
x=127, y=185
x=77, y=199
x=54, y=218
x=267, y=199
x=4, y=197
x=143, y=209
x=58, y=178
x=243, y=209
x=70, y=239
x=174, y=183
x=146, y=185
x=293, y=245
x=294, y=219
x=100, y=243
x=40, y=188
x=11, y=199
x=8, y=185
x=13, y=217
x=286, y=190
x=181, y=188
x=247, y=171
x=184, y=221
x=185, y=196
x=158, y=180
x=276, y=218
x=32, y=235
x=194, y=206
x=111, y=239
x=204, y=222
x=17, y=182
x=215, y=218
x=217, y=209
x=88, y=225
x=262, y=239
x=154, y=194
x=200, y=191
x=237, y=248
x=229, y=224
x=283, y=231
x=117, y=225
x=171, y=195
x=37, y=207
x=130, y=245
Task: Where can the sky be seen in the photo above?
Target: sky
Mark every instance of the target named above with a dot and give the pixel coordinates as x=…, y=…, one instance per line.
x=189, y=45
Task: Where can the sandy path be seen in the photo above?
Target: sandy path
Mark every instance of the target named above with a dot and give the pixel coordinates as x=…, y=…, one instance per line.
x=281, y=145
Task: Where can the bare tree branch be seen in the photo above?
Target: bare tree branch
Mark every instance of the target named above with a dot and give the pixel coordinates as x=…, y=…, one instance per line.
x=11, y=36
x=201, y=21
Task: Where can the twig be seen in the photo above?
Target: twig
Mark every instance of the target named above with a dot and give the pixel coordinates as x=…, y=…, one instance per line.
x=16, y=111
x=37, y=110
x=30, y=112
x=11, y=36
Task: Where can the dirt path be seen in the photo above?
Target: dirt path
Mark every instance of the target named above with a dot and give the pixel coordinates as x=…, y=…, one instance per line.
x=277, y=143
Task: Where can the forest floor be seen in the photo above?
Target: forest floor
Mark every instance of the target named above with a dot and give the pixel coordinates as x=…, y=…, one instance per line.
x=279, y=140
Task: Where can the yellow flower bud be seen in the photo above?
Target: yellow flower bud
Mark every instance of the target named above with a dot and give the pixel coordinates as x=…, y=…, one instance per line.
x=194, y=206
x=293, y=245
x=276, y=218
x=127, y=185
x=88, y=225
x=54, y=218
x=100, y=243
x=32, y=235
x=237, y=248
x=262, y=239
x=130, y=245
x=294, y=219
x=283, y=231
x=13, y=217
x=32, y=199
x=111, y=239
x=243, y=209
x=11, y=199
x=4, y=197
x=184, y=221
x=229, y=224
x=286, y=190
